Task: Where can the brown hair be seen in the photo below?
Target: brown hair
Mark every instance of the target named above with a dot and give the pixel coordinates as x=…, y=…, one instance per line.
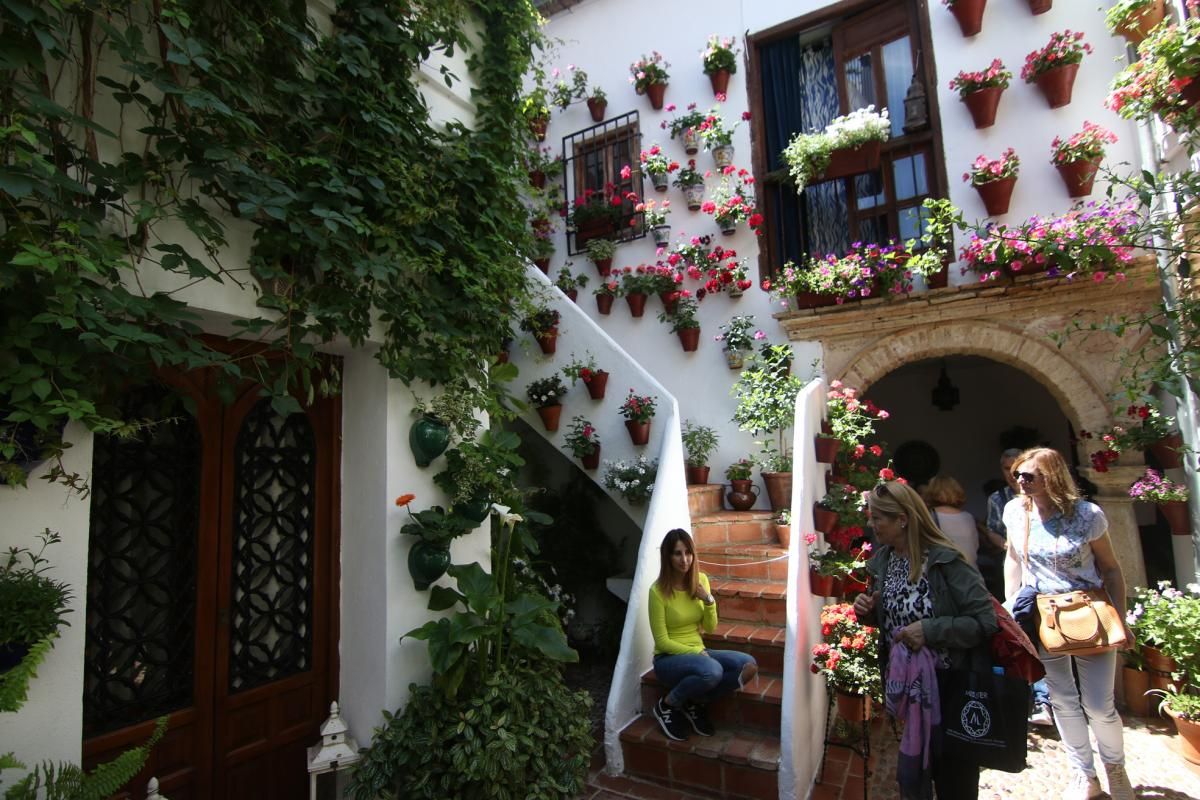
x=666, y=572
x=942, y=490
x=895, y=498
x=1060, y=486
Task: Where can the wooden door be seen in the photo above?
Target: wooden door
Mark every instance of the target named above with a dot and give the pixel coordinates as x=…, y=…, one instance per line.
x=211, y=591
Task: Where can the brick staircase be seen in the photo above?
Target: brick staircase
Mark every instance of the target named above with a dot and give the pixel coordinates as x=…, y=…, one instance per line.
x=742, y=760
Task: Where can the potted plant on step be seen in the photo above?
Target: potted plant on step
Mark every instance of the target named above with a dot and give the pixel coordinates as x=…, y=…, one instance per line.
x=1053, y=67
x=601, y=252
x=33, y=606
x=1078, y=158
x=699, y=442
x=545, y=395
x=1170, y=497
x=720, y=61
x=584, y=442
x=848, y=658
x=638, y=411
x=848, y=145
x=783, y=527
x=742, y=492
x=684, y=321
x=570, y=284
x=543, y=324
x=633, y=480
x=980, y=91
x=435, y=528
x=649, y=76
x=766, y=392
x=736, y=339
x=994, y=180
x=1179, y=639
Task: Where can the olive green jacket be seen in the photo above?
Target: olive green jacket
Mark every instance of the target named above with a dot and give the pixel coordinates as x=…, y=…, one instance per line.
x=963, y=617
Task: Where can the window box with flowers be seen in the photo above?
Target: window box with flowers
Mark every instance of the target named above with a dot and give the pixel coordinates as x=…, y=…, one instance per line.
x=968, y=14
x=684, y=321
x=601, y=252
x=570, y=284
x=1054, y=66
x=608, y=290
x=717, y=138
x=656, y=164
x=543, y=324
x=691, y=183
x=1170, y=497
x=649, y=76
x=980, y=91
x=699, y=442
x=685, y=127
x=633, y=480
x=720, y=61
x=545, y=394
x=848, y=658
x=596, y=215
x=1165, y=81
x=849, y=145
x=584, y=442
x=994, y=179
x=638, y=411
x=736, y=339
x=585, y=369
x=1135, y=19
x=637, y=283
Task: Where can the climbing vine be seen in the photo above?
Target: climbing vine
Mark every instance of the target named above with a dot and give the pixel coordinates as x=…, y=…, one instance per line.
x=139, y=139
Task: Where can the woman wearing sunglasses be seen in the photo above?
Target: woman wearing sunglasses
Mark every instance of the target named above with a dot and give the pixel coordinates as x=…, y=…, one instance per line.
x=930, y=597
x=1058, y=542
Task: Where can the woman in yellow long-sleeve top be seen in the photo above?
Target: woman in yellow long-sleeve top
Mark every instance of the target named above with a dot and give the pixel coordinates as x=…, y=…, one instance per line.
x=680, y=605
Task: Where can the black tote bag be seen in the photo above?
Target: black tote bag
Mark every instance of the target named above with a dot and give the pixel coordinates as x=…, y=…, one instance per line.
x=984, y=719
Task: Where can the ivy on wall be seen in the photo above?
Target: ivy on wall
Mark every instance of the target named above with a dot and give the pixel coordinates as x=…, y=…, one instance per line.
x=135, y=133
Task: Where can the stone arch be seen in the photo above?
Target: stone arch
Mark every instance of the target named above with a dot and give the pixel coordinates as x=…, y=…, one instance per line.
x=1084, y=403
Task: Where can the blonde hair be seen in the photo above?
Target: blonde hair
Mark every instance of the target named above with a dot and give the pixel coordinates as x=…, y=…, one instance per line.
x=942, y=490
x=895, y=498
x=666, y=571
x=1060, y=486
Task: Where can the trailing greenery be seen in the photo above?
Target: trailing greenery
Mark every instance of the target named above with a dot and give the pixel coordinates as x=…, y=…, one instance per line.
x=136, y=137
x=14, y=684
x=63, y=781
x=32, y=605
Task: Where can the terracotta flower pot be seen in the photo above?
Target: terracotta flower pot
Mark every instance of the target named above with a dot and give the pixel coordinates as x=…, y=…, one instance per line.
x=824, y=520
x=719, y=81
x=742, y=495
x=982, y=105
x=820, y=585
x=543, y=264
x=573, y=294
x=827, y=448
x=604, y=266
x=548, y=341
x=655, y=92
x=1157, y=661
x=550, y=416
x=1056, y=84
x=1137, y=26
x=1079, y=176
x=939, y=279
x=814, y=300
x=696, y=475
x=852, y=160
x=637, y=303
x=537, y=127
x=639, y=432
x=689, y=338
x=969, y=14
x=1136, y=683
x=852, y=587
x=1189, y=737
x=1167, y=451
x=784, y=534
x=604, y=303
x=537, y=179
x=591, y=461
x=597, y=108
x=596, y=384
x=853, y=707
x=668, y=300
x=1040, y=6
x=779, y=489
x=1176, y=514
x=996, y=195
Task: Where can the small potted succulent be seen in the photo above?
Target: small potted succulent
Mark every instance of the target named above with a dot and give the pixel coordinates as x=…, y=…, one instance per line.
x=684, y=321
x=649, y=76
x=737, y=340
x=638, y=411
x=1135, y=19
x=585, y=370
x=699, y=442
x=570, y=284
x=584, y=442
x=994, y=179
x=1170, y=497
x=1053, y=67
x=980, y=91
x=601, y=252
x=720, y=61
x=1078, y=158
x=545, y=394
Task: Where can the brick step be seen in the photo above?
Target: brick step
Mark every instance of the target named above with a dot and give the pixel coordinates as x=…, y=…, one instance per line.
x=734, y=527
x=746, y=562
x=764, y=642
x=733, y=764
x=705, y=498
x=751, y=601
x=754, y=707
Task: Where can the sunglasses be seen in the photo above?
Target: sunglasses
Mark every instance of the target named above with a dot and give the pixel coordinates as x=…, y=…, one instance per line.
x=1030, y=477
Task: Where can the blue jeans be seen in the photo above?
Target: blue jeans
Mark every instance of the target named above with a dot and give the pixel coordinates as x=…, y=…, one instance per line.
x=1041, y=693
x=700, y=677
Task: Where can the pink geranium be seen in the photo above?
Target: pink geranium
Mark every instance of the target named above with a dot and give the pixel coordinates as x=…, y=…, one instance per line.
x=986, y=170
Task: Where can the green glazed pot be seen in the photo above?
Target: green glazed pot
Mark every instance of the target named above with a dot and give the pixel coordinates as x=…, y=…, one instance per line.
x=475, y=509
x=428, y=439
x=427, y=562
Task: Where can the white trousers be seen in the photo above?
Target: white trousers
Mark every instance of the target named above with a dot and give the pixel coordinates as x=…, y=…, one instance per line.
x=1088, y=702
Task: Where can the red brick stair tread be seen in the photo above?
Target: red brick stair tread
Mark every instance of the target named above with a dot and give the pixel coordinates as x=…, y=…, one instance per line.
x=735, y=746
x=733, y=516
x=738, y=631
x=734, y=587
x=748, y=549
x=766, y=686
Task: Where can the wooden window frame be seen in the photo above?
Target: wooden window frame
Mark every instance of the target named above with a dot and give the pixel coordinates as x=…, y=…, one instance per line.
x=608, y=139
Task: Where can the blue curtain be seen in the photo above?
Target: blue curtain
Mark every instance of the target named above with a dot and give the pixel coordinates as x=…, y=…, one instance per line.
x=824, y=210
x=783, y=107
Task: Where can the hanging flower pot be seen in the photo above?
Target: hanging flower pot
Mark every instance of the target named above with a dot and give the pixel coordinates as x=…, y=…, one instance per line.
x=604, y=303
x=428, y=438
x=694, y=195
x=939, y=279
x=827, y=448
x=661, y=234
x=723, y=156
x=1175, y=512
x=548, y=341
x=982, y=104
x=476, y=509
x=596, y=384
x=824, y=520
x=668, y=299
x=847, y=161
x=728, y=226
x=597, y=107
x=734, y=359
x=543, y=264
x=696, y=475
x=659, y=179
x=735, y=291
x=1167, y=451
x=742, y=495
x=427, y=562
x=969, y=14
x=550, y=416
x=1078, y=176
x=604, y=266
x=996, y=195
x=637, y=303
x=689, y=338
x=656, y=92
x=820, y=585
x=639, y=432
x=852, y=587
x=592, y=460
x=1057, y=84
x=1040, y=6
x=719, y=81
x=537, y=179
x=1141, y=21
x=537, y=127
x=1135, y=683
x=691, y=141
x=573, y=295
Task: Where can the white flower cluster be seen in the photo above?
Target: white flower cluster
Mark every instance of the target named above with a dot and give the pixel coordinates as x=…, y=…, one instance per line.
x=858, y=127
x=808, y=154
x=634, y=480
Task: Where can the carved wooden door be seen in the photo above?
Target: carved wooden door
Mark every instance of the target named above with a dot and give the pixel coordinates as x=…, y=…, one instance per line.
x=211, y=591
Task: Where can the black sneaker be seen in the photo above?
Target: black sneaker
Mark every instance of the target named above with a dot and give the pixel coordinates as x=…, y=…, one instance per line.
x=671, y=721
x=698, y=716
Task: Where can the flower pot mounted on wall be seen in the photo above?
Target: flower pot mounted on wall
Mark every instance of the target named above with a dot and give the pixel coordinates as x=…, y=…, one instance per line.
x=592, y=460
x=719, y=81
x=969, y=14
x=1040, y=6
x=824, y=520
x=637, y=303
x=689, y=338
x=1141, y=21
x=596, y=384
x=537, y=127
x=656, y=92
x=550, y=416
x=1078, y=176
x=548, y=341
x=820, y=585
x=428, y=438
x=1057, y=84
x=691, y=141
x=597, y=108
x=996, y=195
x=982, y=105
x=639, y=432
x=827, y=448
x=604, y=303
x=1166, y=451
x=537, y=179
x=427, y=562
x=1175, y=513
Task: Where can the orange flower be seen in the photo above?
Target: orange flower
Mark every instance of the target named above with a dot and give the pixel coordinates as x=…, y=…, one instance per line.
x=405, y=499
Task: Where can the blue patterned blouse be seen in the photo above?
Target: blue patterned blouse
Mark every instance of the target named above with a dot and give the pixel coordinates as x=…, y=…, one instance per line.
x=1060, y=552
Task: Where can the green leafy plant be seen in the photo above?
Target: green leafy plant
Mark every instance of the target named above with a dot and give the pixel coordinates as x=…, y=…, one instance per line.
x=580, y=369
x=600, y=248
x=33, y=606
x=639, y=407
x=720, y=53
x=1169, y=619
x=1124, y=11
x=582, y=438
x=808, y=154
x=680, y=124
x=435, y=525
x=540, y=321
x=482, y=468
x=740, y=470
x=564, y=92
x=454, y=408
x=684, y=314
x=847, y=502
x=566, y=281
x=648, y=71
x=1169, y=60
x=735, y=335
x=634, y=480
x=851, y=420
x=699, y=442
x=766, y=393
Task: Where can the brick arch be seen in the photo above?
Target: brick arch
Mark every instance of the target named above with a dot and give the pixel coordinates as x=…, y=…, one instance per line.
x=1080, y=399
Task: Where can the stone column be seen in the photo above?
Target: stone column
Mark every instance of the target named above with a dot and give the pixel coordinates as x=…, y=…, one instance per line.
x=1112, y=495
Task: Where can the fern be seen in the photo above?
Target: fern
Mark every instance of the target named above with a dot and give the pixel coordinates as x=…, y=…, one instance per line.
x=14, y=684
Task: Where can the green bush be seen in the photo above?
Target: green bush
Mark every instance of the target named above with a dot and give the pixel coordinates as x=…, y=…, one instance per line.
x=515, y=734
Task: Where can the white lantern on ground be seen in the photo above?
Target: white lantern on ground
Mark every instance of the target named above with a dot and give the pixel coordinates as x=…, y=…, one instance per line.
x=328, y=759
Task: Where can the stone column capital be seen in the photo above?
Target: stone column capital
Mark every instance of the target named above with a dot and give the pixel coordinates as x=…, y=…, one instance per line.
x=1113, y=485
